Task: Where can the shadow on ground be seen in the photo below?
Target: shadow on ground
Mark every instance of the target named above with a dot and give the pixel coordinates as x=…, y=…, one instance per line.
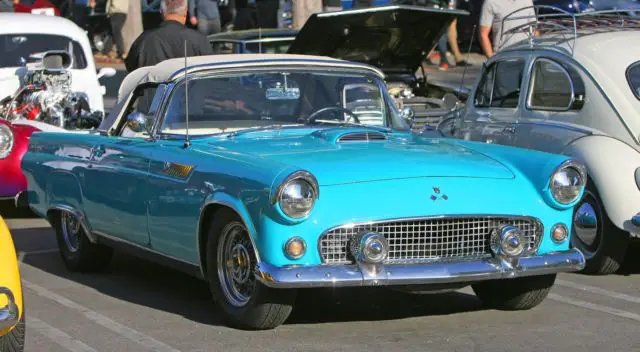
x=148, y=284
x=631, y=265
x=9, y=211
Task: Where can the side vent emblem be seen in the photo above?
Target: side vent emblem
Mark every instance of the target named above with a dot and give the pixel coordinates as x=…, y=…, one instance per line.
x=362, y=137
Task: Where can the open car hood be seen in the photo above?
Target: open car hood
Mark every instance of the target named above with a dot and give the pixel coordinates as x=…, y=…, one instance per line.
x=391, y=38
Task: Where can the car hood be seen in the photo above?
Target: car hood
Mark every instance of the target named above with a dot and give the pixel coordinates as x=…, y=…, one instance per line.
x=392, y=38
x=336, y=156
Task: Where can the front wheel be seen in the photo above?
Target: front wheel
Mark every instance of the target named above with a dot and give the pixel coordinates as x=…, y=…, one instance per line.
x=514, y=294
x=603, y=244
x=245, y=302
x=13, y=341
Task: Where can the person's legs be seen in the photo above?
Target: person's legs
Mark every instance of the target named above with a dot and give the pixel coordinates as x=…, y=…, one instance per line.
x=117, y=24
x=442, y=49
x=267, y=13
x=208, y=26
x=453, y=43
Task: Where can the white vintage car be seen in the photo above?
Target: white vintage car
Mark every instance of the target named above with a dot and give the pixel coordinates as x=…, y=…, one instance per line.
x=572, y=89
x=25, y=37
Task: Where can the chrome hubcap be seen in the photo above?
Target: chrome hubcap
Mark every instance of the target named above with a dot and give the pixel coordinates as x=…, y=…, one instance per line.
x=71, y=231
x=586, y=228
x=235, y=264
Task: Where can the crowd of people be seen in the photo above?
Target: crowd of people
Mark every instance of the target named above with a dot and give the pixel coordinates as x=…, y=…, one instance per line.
x=167, y=23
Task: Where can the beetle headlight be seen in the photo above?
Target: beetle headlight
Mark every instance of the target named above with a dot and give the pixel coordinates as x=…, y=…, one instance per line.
x=567, y=182
x=297, y=195
x=6, y=141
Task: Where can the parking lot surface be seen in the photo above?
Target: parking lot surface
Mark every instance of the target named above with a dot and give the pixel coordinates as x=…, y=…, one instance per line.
x=140, y=306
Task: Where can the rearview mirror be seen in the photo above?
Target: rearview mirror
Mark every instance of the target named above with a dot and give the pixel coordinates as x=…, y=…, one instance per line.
x=137, y=122
x=106, y=72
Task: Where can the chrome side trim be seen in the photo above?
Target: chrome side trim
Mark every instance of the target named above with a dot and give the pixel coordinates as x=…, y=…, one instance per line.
x=539, y=224
x=141, y=247
x=9, y=315
x=417, y=274
x=198, y=229
x=81, y=218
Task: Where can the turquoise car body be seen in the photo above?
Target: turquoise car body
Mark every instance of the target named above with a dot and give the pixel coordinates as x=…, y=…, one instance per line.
x=156, y=194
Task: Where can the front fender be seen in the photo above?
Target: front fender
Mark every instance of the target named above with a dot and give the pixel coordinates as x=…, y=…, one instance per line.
x=611, y=165
x=9, y=276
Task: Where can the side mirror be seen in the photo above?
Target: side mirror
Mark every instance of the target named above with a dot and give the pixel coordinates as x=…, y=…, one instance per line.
x=106, y=72
x=137, y=122
x=408, y=114
x=450, y=101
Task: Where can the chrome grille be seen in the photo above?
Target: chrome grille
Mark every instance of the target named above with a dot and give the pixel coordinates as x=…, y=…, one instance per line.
x=434, y=239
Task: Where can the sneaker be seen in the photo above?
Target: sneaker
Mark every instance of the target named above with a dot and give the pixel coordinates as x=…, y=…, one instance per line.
x=443, y=67
x=463, y=63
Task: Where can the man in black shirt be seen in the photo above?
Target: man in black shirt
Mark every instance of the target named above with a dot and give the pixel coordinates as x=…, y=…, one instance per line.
x=167, y=41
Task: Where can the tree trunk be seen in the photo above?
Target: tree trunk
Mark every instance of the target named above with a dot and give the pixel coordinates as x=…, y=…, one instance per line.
x=133, y=25
x=303, y=9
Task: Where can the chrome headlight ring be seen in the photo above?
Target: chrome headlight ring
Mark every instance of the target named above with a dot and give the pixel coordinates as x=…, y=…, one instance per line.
x=6, y=141
x=297, y=194
x=567, y=182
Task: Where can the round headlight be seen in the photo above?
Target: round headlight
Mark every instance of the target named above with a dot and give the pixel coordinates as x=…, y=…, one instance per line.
x=298, y=195
x=6, y=141
x=568, y=182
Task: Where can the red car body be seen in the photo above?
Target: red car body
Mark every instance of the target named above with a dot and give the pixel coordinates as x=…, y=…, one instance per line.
x=26, y=7
x=12, y=180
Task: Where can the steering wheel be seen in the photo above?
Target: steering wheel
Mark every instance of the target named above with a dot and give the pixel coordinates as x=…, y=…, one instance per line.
x=313, y=116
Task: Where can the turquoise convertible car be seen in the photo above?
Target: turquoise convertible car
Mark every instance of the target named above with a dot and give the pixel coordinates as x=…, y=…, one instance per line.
x=268, y=174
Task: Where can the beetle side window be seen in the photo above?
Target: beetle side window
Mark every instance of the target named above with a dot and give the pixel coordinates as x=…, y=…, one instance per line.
x=500, y=86
x=554, y=86
x=633, y=76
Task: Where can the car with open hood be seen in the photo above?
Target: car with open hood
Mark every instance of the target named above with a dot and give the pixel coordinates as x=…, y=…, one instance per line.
x=571, y=90
x=267, y=174
x=396, y=39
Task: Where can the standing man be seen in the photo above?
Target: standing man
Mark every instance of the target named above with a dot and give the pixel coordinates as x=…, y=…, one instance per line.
x=117, y=11
x=167, y=41
x=491, y=16
x=205, y=15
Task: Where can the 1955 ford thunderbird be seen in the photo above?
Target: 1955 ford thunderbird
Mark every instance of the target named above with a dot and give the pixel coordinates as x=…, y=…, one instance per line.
x=266, y=174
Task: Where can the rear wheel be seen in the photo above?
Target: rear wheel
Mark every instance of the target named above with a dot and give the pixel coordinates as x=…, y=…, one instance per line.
x=514, y=294
x=13, y=341
x=245, y=302
x=77, y=252
x=603, y=244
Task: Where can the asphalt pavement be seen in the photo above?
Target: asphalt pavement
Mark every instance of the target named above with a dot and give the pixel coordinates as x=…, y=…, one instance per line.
x=140, y=306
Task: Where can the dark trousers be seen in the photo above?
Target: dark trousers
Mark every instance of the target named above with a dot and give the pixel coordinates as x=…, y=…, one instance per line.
x=151, y=20
x=267, y=13
x=117, y=24
x=81, y=15
x=209, y=26
x=245, y=18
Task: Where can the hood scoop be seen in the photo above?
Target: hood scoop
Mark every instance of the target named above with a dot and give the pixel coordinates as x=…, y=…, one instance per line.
x=361, y=137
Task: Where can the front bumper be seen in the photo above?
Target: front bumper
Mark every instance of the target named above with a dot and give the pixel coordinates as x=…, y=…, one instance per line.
x=418, y=274
x=10, y=314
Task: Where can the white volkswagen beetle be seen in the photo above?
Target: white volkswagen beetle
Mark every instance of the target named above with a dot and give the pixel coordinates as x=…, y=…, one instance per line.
x=572, y=89
x=25, y=37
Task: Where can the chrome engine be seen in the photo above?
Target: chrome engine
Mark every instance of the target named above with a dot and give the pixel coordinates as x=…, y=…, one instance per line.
x=45, y=95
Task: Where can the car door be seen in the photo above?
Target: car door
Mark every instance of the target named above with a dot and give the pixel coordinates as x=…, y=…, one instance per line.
x=116, y=180
x=495, y=105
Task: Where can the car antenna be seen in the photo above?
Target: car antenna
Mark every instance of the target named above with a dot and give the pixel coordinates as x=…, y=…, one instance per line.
x=187, y=142
x=464, y=72
x=259, y=40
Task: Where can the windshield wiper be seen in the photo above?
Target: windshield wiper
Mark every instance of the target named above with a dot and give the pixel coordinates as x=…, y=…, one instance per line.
x=258, y=129
x=355, y=124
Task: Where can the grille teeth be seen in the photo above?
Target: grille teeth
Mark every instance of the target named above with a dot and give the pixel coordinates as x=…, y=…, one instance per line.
x=429, y=240
x=362, y=136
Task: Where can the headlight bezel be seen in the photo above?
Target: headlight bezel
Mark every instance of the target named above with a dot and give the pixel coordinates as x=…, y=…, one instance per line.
x=297, y=176
x=582, y=172
x=9, y=131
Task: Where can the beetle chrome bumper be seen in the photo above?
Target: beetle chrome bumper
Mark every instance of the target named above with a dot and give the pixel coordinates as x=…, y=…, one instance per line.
x=414, y=274
x=9, y=314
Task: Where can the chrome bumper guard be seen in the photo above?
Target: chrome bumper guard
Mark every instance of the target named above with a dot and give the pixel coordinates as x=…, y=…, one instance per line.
x=363, y=274
x=8, y=315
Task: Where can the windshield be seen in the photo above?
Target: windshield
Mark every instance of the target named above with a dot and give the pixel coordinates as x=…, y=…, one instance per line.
x=19, y=49
x=633, y=76
x=221, y=104
x=269, y=46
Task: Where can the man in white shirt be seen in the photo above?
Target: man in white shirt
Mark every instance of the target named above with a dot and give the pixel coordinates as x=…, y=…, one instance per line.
x=491, y=16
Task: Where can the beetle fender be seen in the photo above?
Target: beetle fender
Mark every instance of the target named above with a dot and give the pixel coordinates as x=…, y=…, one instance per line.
x=611, y=165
